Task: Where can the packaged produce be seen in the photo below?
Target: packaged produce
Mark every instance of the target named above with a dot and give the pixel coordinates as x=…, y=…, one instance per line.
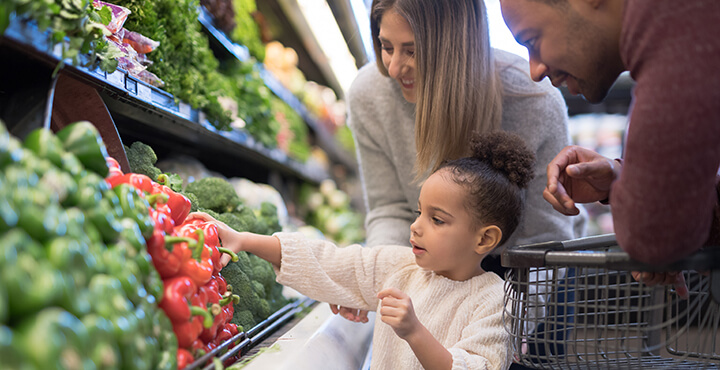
x=119, y=15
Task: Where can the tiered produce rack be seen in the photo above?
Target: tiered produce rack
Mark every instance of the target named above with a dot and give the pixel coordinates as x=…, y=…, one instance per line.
x=144, y=112
x=126, y=109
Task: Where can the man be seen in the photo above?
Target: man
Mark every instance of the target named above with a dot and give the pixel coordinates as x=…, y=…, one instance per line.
x=663, y=192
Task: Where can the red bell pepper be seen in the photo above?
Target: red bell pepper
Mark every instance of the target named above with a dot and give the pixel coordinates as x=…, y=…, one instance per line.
x=184, y=358
x=179, y=204
x=138, y=181
x=114, y=167
x=212, y=239
x=187, y=331
x=210, y=290
x=176, y=300
x=165, y=253
x=196, y=261
x=224, y=334
x=161, y=217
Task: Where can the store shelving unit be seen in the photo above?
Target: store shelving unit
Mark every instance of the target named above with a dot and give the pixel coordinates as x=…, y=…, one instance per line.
x=143, y=112
x=226, y=48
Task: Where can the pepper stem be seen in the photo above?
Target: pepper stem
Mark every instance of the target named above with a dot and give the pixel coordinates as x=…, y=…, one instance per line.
x=207, y=317
x=228, y=251
x=170, y=242
x=230, y=298
x=198, y=249
x=156, y=198
x=162, y=179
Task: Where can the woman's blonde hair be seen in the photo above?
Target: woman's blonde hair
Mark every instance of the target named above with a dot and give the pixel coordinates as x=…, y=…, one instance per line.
x=458, y=90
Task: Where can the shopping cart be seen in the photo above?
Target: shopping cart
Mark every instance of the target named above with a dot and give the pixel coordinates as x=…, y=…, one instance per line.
x=575, y=305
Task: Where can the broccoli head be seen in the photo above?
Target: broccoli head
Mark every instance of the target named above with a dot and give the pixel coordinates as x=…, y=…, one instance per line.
x=142, y=159
x=214, y=193
x=193, y=201
x=212, y=213
x=237, y=221
x=267, y=216
x=243, y=287
x=243, y=319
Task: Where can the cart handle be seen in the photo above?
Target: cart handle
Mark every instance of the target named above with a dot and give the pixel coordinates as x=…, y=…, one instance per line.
x=599, y=251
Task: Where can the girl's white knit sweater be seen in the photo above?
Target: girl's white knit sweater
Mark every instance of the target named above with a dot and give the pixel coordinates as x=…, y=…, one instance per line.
x=465, y=316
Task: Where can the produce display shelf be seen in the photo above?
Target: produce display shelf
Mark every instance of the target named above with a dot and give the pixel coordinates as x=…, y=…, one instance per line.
x=156, y=112
x=251, y=338
x=240, y=52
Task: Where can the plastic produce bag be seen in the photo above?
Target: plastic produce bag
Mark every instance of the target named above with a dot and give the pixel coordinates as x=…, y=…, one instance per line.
x=140, y=43
x=119, y=15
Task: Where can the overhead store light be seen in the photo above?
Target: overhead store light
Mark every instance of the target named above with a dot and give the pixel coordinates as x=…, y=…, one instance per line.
x=325, y=29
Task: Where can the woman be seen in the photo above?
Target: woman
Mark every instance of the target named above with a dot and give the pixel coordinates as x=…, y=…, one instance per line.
x=435, y=82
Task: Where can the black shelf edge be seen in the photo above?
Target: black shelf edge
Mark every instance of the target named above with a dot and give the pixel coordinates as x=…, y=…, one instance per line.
x=241, y=52
x=158, y=110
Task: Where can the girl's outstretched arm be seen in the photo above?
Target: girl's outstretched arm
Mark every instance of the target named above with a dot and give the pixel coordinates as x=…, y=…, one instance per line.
x=263, y=246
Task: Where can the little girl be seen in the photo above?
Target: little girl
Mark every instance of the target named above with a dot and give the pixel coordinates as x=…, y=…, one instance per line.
x=437, y=308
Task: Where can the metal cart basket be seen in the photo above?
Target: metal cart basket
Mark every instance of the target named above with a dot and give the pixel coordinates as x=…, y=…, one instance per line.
x=575, y=305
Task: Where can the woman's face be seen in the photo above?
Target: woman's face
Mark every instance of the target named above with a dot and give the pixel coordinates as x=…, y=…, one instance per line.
x=398, y=51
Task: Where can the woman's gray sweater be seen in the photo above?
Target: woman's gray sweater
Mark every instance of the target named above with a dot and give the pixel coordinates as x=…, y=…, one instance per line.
x=383, y=124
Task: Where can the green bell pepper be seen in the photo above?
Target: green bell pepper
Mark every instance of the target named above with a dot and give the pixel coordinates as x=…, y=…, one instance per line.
x=46, y=145
x=105, y=219
x=35, y=164
x=16, y=242
x=132, y=235
x=43, y=223
x=90, y=190
x=33, y=284
x=59, y=183
x=54, y=339
x=71, y=164
x=11, y=358
x=135, y=207
x=84, y=141
x=3, y=305
x=11, y=151
x=154, y=284
x=110, y=298
x=167, y=341
x=104, y=350
x=8, y=214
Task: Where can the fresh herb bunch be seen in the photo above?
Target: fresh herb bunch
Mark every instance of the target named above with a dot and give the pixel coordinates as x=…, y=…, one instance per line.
x=246, y=31
x=183, y=59
x=254, y=99
x=74, y=24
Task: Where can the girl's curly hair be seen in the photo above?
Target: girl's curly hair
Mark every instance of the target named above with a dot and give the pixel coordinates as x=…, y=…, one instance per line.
x=495, y=176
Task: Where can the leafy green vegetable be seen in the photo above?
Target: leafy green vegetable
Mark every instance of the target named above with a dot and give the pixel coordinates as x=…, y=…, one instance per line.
x=183, y=59
x=75, y=25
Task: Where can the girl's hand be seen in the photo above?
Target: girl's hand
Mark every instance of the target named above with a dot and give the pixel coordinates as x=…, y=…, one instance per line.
x=397, y=311
x=230, y=238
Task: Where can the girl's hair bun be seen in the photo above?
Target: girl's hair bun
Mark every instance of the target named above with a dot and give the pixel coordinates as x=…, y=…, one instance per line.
x=506, y=153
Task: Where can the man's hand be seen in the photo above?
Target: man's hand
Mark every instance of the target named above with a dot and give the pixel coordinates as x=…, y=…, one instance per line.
x=397, y=311
x=578, y=175
x=677, y=279
x=351, y=314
